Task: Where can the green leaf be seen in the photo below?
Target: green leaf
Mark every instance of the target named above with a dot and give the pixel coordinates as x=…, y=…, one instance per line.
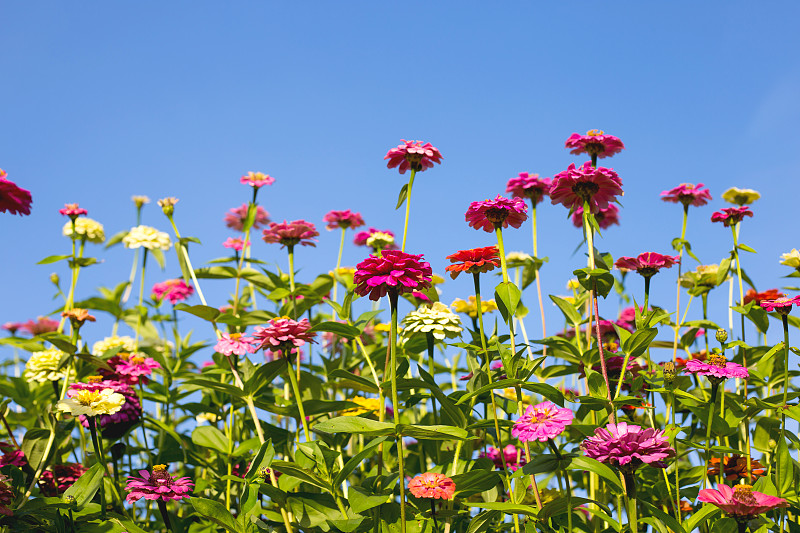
x=354, y=461
x=34, y=444
x=700, y=516
x=86, y=487
x=201, y=311
x=59, y=341
x=401, y=198
x=264, y=375
x=475, y=482
x=362, y=500
x=351, y=381
x=343, y=330
x=158, y=254
x=303, y=474
x=210, y=437
x=214, y=511
x=355, y=424
x=747, y=249
x=559, y=506
x=226, y=388
x=53, y=258
x=592, y=465
x=421, y=432
x=483, y=521
x=785, y=467
x=639, y=341
x=572, y=316
x=507, y=296
x=506, y=507
x=262, y=459
x=599, y=280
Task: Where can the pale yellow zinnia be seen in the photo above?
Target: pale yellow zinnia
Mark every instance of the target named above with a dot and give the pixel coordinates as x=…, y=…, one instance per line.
x=127, y=343
x=470, y=307
x=367, y=405
x=147, y=237
x=791, y=259
x=86, y=227
x=437, y=319
x=92, y=403
x=43, y=366
x=738, y=196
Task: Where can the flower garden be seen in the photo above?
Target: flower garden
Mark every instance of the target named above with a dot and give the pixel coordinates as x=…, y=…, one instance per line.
x=319, y=402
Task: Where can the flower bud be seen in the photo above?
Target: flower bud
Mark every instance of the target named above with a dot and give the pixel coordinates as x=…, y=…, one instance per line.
x=71, y=501
x=54, y=279
x=168, y=205
x=263, y=473
x=669, y=372
x=722, y=335
x=139, y=201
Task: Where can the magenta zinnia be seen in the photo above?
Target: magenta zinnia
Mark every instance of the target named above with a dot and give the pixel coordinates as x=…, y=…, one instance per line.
x=605, y=217
x=513, y=457
x=343, y=219
x=529, y=186
x=731, y=215
x=599, y=186
x=72, y=211
x=741, y=502
x=394, y=271
x=174, y=290
x=594, y=143
x=413, y=155
x=687, y=194
x=135, y=368
x=283, y=333
x=782, y=305
x=647, y=264
x=542, y=422
x=627, y=446
x=235, y=218
x=13, y=199
x=291, y=233
x=717, y=368
x=158, y=485
x=432, y=485
x=235, y=243
x=501, y=212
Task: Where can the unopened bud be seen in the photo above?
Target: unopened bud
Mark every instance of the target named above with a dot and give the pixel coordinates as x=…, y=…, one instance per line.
x=263, y=472
x=71, y=500
x=54, y=279
x=669, y=372
x=722, y=335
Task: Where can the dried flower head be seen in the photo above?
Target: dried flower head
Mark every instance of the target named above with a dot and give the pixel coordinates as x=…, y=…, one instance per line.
x=413, y=155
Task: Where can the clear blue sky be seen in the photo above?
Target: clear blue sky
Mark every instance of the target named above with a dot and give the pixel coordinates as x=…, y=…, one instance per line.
x=103, y=100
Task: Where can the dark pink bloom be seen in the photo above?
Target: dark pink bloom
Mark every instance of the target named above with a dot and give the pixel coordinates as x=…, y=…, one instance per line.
x=394, y=271
x=741, y=502
x=513, y=456
x=235, y=218
x=716, y=368
x=283, y=333
x=781, y=305
x=235, y=343
x=687, y=194
x=158, y=485
x=235, y=243
x=731, y=215
x=627, y=446
x=599, y=186
x=413, y=155
x=432, y=485
x=595, y=142
x=72, y=211
x=112, y=426
x=291, y=233
x=500, y=212
x=529, y=186
x=135, y=369
x=647, y=264
x=42, y=325
x=13, y=199
x=605, y=217
x=11, y=456
x=174, y=290
x=343, y=219
x=13, y=327
x=257, y=179
x=59, y=478
x=6, y=496
x=542, y=422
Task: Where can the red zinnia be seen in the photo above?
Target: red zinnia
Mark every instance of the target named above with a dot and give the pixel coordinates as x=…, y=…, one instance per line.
x=473, y=261
x=599, y=186
x=687, y=194
x=432, y=485
x=489, y=215
x=529, y=186
x=595, y=142
x=731, y=215
x=13, y=199
x=291, y=233
x=605, y=217
x=413, y=155
x=647, y=264
x=758, y=297
x=394, y=271
x=343, y=219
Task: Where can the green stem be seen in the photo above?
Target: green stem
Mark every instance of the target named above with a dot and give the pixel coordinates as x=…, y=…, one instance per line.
x=432, y=371
x=711, y=404
x=395, y=403
x=336, y=272
x=673, y=406
x=162, y=508
x=678, y=295
x=293, y=296
x=141, y=299
x=536, y=275
x=296, y=390
x=408, y=207
x=785, y=320
x=630, y=487
x=99, y=457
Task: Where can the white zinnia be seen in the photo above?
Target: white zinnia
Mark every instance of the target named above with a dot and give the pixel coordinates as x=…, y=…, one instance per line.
x=86, y=227
x=127, y=343
x=147, y=237
x=437, y=319
x=92, y=403
x=43, y=366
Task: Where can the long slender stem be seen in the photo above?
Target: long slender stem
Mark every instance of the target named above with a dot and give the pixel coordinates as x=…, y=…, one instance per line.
x=711, y=405
x=630, y=487
x=297, y=394
x=432, y=372
x=99, y=457
x=536, y=273
x=293, y=296
x=678, y=291
x=336, y=272
x=408, y=207
x=396, y=404
x=785, y=320
x=141, y=299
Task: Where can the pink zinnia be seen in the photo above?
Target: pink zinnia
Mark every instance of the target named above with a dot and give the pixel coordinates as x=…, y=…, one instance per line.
x=61, y=477
x=72, y=211
x=717, y=368
x=174, y=290
x=362, y=237
x=594, y=143
x=235, y=343
x=235, y=218
x=135, y=369
x=413, y=155
x=627, y=446
x=489, y=215
x=529, y=186
x=13, y=199
x=257, y=179
x=647, y=264
x=731, y=215
x=394, y=271
x=513, y=457
x=542, y=422
x=283, y=333
x=343, y=219
x=235, y=243
x=741, y=502
x=605, y=217
x=599, y=186
x=11, y=456
x=12, y=327
x=42, y=325
x=432, y=485
x=291, y=233
x=782, y=305
x=687, y=194
x=158, y=485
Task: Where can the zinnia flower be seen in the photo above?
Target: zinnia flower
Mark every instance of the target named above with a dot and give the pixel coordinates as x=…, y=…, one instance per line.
x=257, y=179
x=529, y=186
x=394, y=271
x=109, y=343
x=791, y=259
x=627, y=446
x=91, y=230
x=134, y=368
x=13, y=199
x=379, y=241
x=43, y=366
x=647, y=264
x=148, y=238
x=752, y=296
x=731, y=215
x=291, y=233
x=343, y=219
x=175, y=290
x=605, y=217
x=702, y=280
x=11, y=456
x=542, y=422
x=235, y=343
x=437, y=320
x=236, y=216
x=780, y=305
x=741, y=502
x=140, y=200
x=158, y=485
x=59, y=478
x=72, y=211
x=6, y=494
x=413, y=155
x=476, y=260
x=113, y=424
x=737, y=196
x=735, y=467
x=489, y=215
x=235, y=243
x=717, y=368
x=283, y=333
x=470, y=307
x=594, y=143
x=167, y=205
x=687, y=194
x=514, y=458
x=42, y=325
x=599, y=186
x=92, y=402
x=432, y=485
x=362, y=237
x=367, y=405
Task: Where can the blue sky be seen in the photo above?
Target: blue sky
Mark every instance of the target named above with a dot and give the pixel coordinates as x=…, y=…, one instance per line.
x=105, y=100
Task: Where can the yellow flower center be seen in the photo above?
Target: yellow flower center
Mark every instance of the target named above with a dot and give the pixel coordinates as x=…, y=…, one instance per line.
x=87, y=398
x=235, y=336
x=744, y=494
x=595, y=133
x=137, y=360
x=94, y=379
x=157, y=468
x=717, y=360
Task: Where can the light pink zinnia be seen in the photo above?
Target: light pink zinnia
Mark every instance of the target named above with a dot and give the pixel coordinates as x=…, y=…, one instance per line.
x=741, y=502
x=257, y=179
x=731, y=215
x=174, y=290
x=72, y=210
x=595, y=142
x=647, y=264
x=627, y=446
x=432, y=485
x=605, y=217
x=500, y=212
x=291, y=233
x=687, y=194
x=513, y=457
x=283, y=333
x=343, y=219
x=235, y=243
x=42, y=325
x=599, y=186
x=413, y=155
x=235, y=343
x=235, y=218
x=13, y=199
x=394, y=271
x=542, y=422
x=158, y=485
x=717, y=368
x=782, y=305
x=529, y=186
